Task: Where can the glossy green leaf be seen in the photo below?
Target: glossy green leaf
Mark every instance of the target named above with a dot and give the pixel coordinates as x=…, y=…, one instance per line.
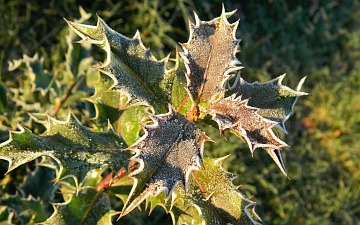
x=76, y=148
x=211, y=192
x=125, y=120
x=130, y=123
x=180, y=98
x=86, y=207
x=108, y=105
x=28, y=210
x=41, y=177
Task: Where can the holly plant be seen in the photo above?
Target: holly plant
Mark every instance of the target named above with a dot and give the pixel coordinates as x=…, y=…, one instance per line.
x=144, y=142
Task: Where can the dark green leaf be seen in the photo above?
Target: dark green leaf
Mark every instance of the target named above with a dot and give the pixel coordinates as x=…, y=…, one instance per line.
x=76, y=148
x=26, y=209
x=87, y=207
x=211, y=192
x=133, y=68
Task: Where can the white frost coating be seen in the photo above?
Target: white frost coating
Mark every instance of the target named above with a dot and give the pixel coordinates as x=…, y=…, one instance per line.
x=252, y=206
x=21, y=130
x=244, y=120
x=213, y=190
x=276, y=156
x=239, y=82
x=141, y=77
x=169, y=150
x=200, y=213
x=201, y=57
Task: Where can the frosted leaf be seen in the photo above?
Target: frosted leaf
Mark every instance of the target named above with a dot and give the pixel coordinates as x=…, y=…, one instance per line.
x=168, y=151
x=28, y=210
x=209, y=57
x=74, y=147
x=135, y=71
x=243, y=120
x=274, y=100
x=217, y=201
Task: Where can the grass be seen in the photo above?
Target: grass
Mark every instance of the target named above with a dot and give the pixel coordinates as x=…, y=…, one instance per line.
x=320, y=40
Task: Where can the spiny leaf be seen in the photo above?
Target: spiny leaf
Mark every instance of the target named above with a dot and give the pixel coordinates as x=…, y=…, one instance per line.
x=209, y=56
x=108, y=104
x=40, y=177
x=87, y=207
x=26, y=209
x=54, y=91
x=211, y=191
x=170, y=149
x=243, y=120
x=76, y=148
x=182, y=210
x=153, y=201
x=33, y=67
x=110, y=107
x=37, y=78
x=180, y=98
x=77, y=57
x=134, y=69
x=185, y=213
x=274, y=100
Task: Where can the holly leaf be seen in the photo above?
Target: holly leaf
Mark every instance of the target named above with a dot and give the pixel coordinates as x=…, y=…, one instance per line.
x=78, y=59
x=74, y=147
x=244, y=121
x=56, y=90
x=107, y=218
x=209, y=57
x=180, y=98
x=26, y=209
x=216, y=200
x=131, y=121
x=184, y=212
x=274, y=100
x=125, y=120
x=135, y=71
x=86, y=207
x=41, y=178
x=107, y=110
x=168, y=151
x=33, y=69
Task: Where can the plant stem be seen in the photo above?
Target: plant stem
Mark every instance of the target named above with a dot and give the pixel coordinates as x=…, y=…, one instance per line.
x=109, y=180
x=64, y=97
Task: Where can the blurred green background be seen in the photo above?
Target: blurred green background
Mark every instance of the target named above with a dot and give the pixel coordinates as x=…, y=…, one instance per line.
x=317, y=39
